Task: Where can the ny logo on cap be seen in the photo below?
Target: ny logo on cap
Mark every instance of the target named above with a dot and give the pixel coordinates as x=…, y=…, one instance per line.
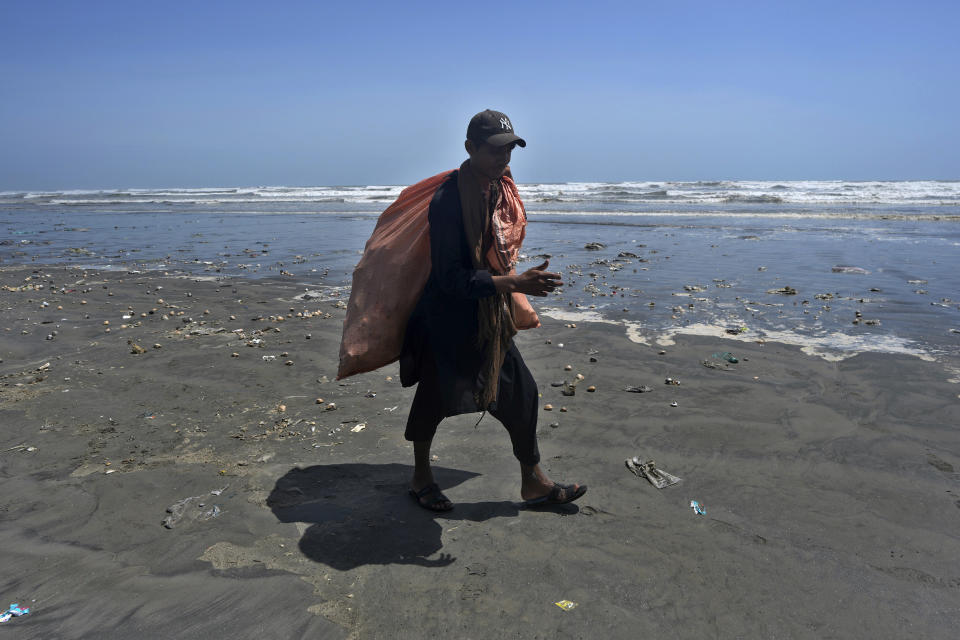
x=505, y=124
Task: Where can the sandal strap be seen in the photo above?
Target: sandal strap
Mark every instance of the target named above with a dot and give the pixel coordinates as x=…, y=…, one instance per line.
x=430, y=488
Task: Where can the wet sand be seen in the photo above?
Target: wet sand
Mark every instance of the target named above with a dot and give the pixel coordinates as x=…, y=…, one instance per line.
x=832, y=489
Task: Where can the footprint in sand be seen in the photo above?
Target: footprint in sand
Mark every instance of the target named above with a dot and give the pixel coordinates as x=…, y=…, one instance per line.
x=473, y=585
x=743, y=534
x=939, y=464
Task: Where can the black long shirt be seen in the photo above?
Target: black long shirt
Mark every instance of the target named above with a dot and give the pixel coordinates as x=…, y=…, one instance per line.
x=440, y=347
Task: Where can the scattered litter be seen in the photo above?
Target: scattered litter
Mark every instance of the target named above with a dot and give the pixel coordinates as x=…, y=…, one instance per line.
x=648, y=470
x=842, y=268
x=360, y=427
x=393, y=408
x=786, y=291
x=269, y=358
x=212, y=513
x=713, y=364
x=673, y=381
x=566, y=605
x=15, y=611
x=176, y=511
x=370, y=394
x=641, y=389
x=674, y=404
x=698, y=508
x=726, y=355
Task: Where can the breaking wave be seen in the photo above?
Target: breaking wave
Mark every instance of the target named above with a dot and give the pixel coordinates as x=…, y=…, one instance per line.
x=799, y=192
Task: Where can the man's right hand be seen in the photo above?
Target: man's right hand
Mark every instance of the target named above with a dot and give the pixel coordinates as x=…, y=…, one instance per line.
x=532, y=282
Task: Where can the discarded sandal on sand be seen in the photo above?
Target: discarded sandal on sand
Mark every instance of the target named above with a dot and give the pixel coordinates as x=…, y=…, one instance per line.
x=431, y=498
x=559, y=494
x=657, y=477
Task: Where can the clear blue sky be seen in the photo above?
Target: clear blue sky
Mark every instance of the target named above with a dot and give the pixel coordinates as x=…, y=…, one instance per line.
x=163, y=94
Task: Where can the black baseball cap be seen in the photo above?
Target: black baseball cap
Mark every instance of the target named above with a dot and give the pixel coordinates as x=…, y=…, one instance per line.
x=493, y=127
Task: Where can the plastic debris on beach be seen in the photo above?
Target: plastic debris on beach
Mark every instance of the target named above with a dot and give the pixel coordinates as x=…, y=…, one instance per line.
x=566, y=605
x=726, y=355
x=641, y=389
x=735, y=330
x=179, y=510
x=842, y=268
x=212, y=513
x=360, y=427
x=657, y=477
x=785, y=291
x=713, y=364
x=698, y=508
x=15, y=611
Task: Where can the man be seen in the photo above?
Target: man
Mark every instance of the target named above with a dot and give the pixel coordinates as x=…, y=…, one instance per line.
x=458, y=344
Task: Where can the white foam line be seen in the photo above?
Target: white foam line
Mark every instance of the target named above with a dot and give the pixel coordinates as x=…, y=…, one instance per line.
x=575, y=316
x=832, y=347
x=633, y=333
x=955, y=372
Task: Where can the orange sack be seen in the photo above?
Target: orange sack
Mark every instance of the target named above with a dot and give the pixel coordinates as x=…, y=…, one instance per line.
x=388, y=281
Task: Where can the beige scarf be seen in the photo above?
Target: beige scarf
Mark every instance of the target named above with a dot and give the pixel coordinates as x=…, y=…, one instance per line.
x=495, y=314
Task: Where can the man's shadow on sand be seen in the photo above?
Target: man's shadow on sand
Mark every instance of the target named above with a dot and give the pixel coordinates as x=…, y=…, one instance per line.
x=361, y=513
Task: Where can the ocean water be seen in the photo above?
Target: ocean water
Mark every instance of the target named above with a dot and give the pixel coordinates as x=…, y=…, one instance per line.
x=694, y=257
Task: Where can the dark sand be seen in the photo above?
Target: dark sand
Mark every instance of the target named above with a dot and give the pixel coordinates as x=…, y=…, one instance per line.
x=832, y=489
